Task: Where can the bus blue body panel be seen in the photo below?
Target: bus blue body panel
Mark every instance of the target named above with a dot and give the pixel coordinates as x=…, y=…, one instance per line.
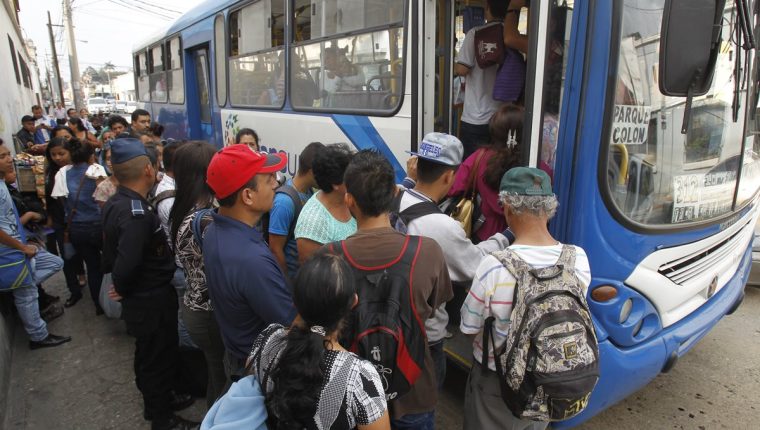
x=626, y=370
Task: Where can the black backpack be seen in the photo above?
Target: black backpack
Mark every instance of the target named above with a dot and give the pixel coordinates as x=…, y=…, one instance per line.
x=291, y=192
x=400, y=219
x=385, y=327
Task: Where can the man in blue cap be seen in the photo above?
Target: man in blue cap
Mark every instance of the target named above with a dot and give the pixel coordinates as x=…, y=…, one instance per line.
x=136, y=253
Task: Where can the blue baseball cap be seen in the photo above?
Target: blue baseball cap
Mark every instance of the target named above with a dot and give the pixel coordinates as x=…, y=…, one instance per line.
x=125, y=149
x=440, y=148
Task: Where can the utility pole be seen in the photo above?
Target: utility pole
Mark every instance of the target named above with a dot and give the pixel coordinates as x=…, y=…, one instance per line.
x=55, y=60
x=73, y=59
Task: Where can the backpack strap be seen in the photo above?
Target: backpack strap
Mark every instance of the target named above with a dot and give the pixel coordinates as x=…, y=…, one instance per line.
x=488, y=333
x=197, y=227
x=567, y=257
x=418, y=210
x=163, y=195
x=513, y=263
x=297, y=205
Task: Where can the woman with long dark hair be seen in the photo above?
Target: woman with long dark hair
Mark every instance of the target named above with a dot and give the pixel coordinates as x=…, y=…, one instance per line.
x=309, y=380
x=190, y=163
x=75, y=184
x=492, y=161
x=58, y=155
x=81, y=132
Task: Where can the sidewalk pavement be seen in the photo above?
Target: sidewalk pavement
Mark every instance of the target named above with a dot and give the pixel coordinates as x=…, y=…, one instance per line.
x=87, y=383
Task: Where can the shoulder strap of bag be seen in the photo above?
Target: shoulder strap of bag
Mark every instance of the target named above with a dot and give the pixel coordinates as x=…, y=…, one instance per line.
x=163, y=195
x=471, y=185
x=76, y=199
x=196, y=226
x=488, y=334
x=297, y=205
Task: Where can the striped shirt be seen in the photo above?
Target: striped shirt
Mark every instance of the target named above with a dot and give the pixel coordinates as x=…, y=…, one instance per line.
x=493, y=290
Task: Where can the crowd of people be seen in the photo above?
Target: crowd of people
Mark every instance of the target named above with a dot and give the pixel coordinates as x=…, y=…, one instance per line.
x=317, y=301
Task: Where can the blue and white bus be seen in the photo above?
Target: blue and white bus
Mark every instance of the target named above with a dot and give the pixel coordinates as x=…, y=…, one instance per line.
x=666, y=217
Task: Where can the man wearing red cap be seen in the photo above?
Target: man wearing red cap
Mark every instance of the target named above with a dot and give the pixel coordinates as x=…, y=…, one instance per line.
x=245, y=282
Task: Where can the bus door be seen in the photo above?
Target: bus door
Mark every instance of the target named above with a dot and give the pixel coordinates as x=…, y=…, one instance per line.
x=198, y=96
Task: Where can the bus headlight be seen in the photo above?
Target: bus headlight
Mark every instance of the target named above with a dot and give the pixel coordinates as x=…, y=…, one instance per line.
x=627, y=316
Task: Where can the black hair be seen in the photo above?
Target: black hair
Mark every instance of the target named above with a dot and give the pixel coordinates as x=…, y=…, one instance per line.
x=306, y=159
x=52, y=167
x=157, y=129
x=27, y=118
x=117, y=119
x=498, y=8
x=509, y=118
x=371, y=182
x=429, y=171
x=329, y=165
x=190, y=163
x=71, y=109
x=230, y=200
x=138, y=113
x=77, y=123
x=36, y=107
x=246, y=132
x=62, y=127
x=80, y=151
x=323, y=293
x=169, y=151
x=152, y=150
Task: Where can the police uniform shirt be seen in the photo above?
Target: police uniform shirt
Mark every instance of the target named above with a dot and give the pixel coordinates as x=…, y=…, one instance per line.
x=135, y=248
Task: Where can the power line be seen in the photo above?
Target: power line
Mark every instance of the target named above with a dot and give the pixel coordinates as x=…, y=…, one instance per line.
x=137, y=9
x=114, y=18
x=158, y=7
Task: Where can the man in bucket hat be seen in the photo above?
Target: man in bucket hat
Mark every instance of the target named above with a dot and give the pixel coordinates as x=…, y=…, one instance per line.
x=529, y=203
x=246, y=284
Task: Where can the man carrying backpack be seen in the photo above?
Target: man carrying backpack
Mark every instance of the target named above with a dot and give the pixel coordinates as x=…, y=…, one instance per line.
x=288, y=201
x=439, y=156
x=535, y=263
x=392, y=268
x=474, y=61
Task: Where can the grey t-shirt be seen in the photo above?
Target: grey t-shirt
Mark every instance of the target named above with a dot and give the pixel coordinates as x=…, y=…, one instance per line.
x=479, y=104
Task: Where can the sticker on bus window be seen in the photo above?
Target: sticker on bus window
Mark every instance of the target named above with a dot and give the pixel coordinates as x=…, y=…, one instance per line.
x=630, y=124
x=702, y=196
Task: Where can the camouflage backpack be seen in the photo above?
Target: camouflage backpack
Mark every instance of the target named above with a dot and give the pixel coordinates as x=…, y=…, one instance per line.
x=549, y=364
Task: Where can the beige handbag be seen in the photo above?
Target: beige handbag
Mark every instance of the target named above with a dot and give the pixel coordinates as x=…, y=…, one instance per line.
x=465, y=209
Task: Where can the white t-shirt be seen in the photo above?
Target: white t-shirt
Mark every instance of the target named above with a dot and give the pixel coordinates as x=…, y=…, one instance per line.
x=462, y=257
x=61, y=188
x=164, y=207
x=493, y=290
x=479, y=104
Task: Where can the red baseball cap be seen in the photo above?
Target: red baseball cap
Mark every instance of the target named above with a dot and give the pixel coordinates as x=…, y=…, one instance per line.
x=232, y=167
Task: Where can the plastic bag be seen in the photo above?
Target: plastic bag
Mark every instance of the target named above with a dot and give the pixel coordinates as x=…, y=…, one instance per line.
x=111, y=307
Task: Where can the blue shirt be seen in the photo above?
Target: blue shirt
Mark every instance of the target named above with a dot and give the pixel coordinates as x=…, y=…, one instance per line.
x=281, y=217
x=8, y=220
x=87, y=208
x=245, y=283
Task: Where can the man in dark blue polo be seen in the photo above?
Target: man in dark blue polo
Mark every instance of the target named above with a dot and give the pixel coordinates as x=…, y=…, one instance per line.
x=245, y=283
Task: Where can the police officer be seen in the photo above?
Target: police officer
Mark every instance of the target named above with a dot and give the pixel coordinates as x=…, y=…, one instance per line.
x=142, y=266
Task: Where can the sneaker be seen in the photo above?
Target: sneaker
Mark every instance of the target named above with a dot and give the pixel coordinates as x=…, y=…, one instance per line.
x=174, y=423
x=51, y=312
x=50, y=341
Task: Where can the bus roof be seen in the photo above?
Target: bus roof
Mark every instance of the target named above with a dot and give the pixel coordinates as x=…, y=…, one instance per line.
x=199, y=12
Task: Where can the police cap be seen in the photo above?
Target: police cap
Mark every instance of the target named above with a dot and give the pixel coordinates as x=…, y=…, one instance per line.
x=125, y=149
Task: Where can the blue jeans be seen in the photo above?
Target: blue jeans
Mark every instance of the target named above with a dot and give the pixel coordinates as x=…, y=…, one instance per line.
x=180, y=284
x=423, y=421
x=43, y=265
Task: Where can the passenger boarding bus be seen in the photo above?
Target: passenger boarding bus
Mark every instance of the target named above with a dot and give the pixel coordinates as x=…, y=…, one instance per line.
x=665, y=208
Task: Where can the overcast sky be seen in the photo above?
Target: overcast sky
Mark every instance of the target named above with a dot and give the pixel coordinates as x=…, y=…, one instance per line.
x=106, y=30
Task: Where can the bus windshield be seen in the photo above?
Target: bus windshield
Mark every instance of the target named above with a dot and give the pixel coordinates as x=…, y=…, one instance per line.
x=656, y=175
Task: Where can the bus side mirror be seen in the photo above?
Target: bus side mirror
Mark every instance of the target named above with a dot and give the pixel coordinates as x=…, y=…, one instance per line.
x=690, y=40
x=688, y=51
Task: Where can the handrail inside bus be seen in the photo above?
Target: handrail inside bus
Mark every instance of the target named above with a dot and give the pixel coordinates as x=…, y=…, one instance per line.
x=623, y=162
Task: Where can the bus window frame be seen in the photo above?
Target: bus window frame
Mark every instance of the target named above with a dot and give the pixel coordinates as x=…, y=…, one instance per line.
x=404, y=25
x=602, y=177
x=228, y=51
x=160, y=44
x=225, y=60
x=136, y=55
x=167, y=69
